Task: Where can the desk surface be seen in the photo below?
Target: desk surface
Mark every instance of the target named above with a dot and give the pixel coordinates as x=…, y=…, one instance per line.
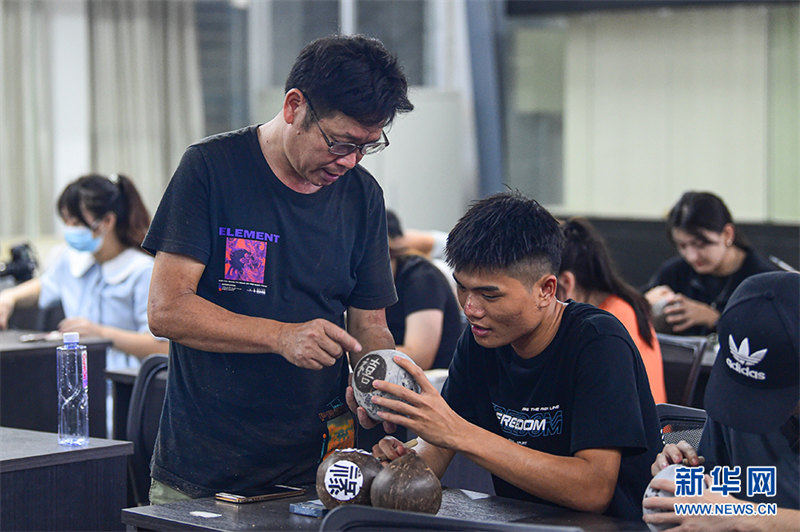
x=123, y=375
x=34, y=471
x=27, y=449
x=9, y=341
x=210, y=514
x=28, y=395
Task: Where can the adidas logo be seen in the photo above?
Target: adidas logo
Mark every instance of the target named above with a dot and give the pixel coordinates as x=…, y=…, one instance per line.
x=744, y=359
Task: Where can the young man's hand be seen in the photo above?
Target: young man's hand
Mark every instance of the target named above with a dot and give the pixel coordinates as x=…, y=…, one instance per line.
x=426, y=413
x=666, y=516
x=680, y=453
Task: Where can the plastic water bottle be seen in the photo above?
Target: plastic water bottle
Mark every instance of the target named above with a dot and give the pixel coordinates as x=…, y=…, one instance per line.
x=73, y=392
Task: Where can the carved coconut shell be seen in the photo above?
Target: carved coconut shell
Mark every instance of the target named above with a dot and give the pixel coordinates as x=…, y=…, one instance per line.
x=407, y=483
x=379, y=365
x=346, y=476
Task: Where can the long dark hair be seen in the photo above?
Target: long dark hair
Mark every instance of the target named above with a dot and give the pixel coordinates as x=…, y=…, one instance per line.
x=698, y=211
x=587, y=257
x=101, y=195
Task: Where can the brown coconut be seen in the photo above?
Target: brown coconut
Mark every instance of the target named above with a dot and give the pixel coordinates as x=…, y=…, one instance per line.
x=346, y=476
x=407, y=483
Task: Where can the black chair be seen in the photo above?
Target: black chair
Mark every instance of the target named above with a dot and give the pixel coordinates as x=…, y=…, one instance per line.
x=785, y=266
x=351, y=517
x=680, y=422
x=144, y=413
x=682, y=356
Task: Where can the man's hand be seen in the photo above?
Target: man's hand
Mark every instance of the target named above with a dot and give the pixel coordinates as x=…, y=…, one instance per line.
x=682, y=312
x=427, y=414
x=364, y=419
x=680, y=453
x=315, y=344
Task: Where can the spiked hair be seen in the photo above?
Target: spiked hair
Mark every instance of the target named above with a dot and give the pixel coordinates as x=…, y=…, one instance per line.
x=506, y=232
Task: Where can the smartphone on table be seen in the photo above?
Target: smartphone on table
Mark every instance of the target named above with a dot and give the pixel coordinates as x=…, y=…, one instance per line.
x=266, y=493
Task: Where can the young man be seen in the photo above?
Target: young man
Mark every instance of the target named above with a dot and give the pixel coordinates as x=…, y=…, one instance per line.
x=752, y=401
x=263, y=239
x=552, y=398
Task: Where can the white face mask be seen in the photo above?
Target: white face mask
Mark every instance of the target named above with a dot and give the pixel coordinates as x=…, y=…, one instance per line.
x=82, y=239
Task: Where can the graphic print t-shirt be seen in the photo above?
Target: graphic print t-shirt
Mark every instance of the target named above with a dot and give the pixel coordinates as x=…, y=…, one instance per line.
x=588, y=389
x=235, y=420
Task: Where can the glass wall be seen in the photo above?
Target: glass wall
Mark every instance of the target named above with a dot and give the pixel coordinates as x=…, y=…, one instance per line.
x=250, y=46
x=617, y=112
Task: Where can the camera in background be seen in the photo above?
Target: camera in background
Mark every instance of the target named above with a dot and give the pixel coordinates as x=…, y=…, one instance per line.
x=22, y=265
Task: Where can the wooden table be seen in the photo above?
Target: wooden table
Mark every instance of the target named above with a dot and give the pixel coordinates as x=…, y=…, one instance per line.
x=210, y=514
x=50, y=487
x=28, y=394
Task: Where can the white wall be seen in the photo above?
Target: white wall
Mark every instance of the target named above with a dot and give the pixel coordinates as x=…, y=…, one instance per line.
x=70, y=93
x=427, y=173
x=655, y=105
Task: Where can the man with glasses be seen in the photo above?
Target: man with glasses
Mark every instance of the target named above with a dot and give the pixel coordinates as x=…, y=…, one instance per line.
x=258, y=354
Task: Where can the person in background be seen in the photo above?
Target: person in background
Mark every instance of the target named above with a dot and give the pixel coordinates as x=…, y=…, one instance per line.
x=587, y=274
x=102, y=279
x=426, y=320
x=430, y=244
x=265, y=236
x=688, y=292
x=550, y=397
x=752, y=400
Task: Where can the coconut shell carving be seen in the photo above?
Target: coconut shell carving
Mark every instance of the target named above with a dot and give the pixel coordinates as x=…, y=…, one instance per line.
x=407, y=483
x=379, y=365
x=346, y=476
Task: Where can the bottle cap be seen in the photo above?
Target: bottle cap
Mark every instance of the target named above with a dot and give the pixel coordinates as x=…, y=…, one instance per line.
x=71, y=337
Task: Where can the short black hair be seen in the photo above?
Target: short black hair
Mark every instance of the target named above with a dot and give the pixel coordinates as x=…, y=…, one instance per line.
x=354, y=75
x=506, y=232
x=393, y=224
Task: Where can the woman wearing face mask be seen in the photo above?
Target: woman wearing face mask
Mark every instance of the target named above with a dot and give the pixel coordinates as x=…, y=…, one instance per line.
x=102, y=279
x=688, y=292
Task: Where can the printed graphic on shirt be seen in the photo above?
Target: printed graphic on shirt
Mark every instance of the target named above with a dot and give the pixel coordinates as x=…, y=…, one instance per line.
x=245, y=259
x=530, y=422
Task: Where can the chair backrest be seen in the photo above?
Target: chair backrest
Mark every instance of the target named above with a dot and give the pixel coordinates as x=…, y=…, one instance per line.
x=350, y=517
x=785, y=266
x=682, y=356
x=680, y=422
x=144, y=414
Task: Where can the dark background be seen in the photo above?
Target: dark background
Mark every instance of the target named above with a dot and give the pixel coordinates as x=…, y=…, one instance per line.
x=638, y=247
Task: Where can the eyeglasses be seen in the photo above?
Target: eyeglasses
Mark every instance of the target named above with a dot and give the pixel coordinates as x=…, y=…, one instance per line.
x=346, y=148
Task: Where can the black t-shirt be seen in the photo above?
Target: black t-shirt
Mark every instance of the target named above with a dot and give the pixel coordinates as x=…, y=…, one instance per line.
x=724, y=446
x=234, y=420
x=709, y=289
x=422, y=286
x=588, y=389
